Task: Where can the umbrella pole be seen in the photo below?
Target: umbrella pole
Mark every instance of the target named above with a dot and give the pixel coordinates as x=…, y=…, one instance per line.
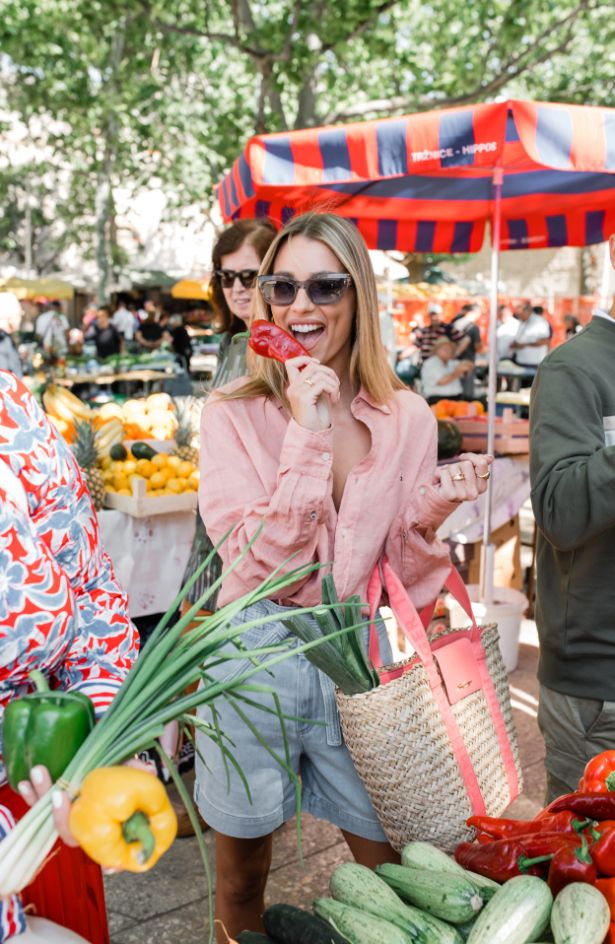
x=487, y=564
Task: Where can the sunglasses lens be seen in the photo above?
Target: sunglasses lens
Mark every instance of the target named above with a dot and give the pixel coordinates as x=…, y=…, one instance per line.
x=247, y=277
x=278, y=291
x=326, y=291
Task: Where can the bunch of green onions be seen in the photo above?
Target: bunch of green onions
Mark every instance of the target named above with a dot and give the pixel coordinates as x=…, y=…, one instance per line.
x=156, y=692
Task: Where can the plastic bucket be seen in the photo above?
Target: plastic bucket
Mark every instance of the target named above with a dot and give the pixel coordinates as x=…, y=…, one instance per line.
x=506, y=610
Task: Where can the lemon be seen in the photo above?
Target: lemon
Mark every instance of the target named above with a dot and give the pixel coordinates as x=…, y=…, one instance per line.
x=174, y=486
x=160, y=460
x=185, y=469
x=106, y=462
x=120, y=482
x=130, y=466
x=157, y=479
x=145, y=468
x=174, y=461
x=124, y=491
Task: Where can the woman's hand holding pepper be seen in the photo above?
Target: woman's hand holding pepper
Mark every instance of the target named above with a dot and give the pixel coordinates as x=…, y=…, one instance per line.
x=39, y=784
x=465, y=479
x=312, y=390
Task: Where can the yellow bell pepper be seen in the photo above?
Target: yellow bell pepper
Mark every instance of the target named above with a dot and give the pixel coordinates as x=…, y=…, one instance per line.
x=123, y=818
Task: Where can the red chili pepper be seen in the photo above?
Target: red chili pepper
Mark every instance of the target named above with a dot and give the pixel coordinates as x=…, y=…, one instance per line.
x=571, y=864
x=268, y=340
x=500, y=860
x=563, y=822
x=543, y=844
x=607, y=887
x=599, y=774
x=603, y=847
x=591, y=805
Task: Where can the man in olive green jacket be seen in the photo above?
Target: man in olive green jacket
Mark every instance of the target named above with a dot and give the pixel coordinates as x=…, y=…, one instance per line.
x=572, y=466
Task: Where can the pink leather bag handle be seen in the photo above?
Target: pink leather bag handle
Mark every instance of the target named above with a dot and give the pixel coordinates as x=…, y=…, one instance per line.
x=412, y=624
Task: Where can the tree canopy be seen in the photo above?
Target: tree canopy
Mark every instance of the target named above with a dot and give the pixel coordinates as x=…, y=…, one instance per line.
x=120, y=94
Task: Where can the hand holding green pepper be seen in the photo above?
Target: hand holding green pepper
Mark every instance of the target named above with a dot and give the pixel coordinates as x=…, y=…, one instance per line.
x=45, y=728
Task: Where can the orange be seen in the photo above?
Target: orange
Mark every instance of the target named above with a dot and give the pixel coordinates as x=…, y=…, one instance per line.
x=145, y=468
x=160, y=460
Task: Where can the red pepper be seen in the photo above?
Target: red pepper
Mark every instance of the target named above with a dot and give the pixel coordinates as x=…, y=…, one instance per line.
x=499, y=860
x=599, y=774
x=571, y=864
x=543, y=844
x=563, y=822
x=607, y=887
x=610, y=937
x=590, y=805
x=268, y=340
x=603, y=847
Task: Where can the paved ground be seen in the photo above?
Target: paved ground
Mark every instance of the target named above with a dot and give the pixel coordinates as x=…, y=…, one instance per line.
x=169, y=904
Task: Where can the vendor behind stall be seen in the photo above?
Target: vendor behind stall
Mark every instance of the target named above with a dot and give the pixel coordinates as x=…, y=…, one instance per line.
x=151, y=335
x=105, y=335
x=441, y=374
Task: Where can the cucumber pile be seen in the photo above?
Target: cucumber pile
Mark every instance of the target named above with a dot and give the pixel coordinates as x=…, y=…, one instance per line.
x=431, y=899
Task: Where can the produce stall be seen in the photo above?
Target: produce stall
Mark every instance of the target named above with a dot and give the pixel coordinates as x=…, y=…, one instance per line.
x=149, y=555
x=141, y=466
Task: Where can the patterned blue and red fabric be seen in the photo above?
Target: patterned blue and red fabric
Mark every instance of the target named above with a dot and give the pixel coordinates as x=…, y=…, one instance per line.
x=424, y=183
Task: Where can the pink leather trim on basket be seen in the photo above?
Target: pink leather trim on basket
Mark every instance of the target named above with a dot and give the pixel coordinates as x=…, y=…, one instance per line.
x=457, y=587
x=411, y=624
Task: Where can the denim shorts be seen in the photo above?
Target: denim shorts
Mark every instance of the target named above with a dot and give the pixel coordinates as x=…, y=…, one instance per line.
x=330, y=786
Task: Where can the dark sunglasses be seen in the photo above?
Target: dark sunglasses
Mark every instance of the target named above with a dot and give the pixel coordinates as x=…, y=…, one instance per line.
x=321, y=290
x=227, y=277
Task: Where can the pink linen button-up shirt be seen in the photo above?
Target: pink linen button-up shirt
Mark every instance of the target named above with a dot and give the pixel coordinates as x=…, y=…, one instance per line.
x=259, y=466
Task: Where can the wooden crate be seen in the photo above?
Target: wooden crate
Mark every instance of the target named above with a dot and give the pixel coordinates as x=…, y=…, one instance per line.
x=511, y=434
x=139, y=506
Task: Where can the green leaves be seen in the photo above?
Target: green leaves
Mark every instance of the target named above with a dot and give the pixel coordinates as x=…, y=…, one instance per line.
x=341, y=655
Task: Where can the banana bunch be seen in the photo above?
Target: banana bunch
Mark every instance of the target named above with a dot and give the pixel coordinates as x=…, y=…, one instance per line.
x=108, y=434
x=64, y=405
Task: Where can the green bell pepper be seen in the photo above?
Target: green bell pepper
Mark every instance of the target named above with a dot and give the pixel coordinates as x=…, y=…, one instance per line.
x=45, y=727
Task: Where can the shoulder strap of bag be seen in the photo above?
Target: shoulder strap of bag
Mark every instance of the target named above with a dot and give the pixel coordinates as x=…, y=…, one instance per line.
x=12, y=486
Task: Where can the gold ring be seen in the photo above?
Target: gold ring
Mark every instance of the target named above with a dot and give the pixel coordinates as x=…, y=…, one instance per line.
x=458, y=477
x=484, y=475
x=308, y=381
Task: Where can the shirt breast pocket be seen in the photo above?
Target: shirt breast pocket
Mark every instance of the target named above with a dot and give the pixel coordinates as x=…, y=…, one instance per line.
x=609, y=430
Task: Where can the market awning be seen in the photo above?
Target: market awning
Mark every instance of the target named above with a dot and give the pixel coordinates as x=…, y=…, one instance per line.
x=48, y=288
x=424, y=182
x=193, y=289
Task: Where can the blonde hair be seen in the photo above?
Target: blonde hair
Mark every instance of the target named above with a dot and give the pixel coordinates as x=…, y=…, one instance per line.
x=369, y=367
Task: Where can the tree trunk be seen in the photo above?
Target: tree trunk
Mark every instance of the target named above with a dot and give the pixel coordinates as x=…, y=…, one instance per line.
x=104, y=192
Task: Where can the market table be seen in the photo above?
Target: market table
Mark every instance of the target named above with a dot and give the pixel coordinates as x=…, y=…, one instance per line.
x=128, y=376
x=149, y=556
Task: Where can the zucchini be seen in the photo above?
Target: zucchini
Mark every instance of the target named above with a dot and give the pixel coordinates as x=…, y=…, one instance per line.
x=356, y=885
x=580, y=915
x=359, y=927
x=517, y=913
x=444, y=894
x=424, y=855
x=141, y=450
x=253, y=937
x=290, y=925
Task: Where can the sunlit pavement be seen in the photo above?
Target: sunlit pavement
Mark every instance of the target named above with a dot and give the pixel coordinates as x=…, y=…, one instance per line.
x=169, y=904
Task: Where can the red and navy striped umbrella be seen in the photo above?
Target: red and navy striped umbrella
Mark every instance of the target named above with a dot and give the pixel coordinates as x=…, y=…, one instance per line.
x=424, y=183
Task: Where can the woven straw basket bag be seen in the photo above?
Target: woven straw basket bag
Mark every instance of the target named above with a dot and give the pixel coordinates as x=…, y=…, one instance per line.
x=435, y=743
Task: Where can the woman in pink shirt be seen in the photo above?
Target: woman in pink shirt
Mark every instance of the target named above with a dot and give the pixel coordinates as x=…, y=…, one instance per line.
x=337, y=459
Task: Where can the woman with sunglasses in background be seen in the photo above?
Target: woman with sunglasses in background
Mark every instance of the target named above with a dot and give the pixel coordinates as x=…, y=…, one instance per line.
x=338, y=460
x=236, y=258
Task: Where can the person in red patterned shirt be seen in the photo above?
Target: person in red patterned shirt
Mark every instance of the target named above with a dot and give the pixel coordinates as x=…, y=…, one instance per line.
x=61, y=612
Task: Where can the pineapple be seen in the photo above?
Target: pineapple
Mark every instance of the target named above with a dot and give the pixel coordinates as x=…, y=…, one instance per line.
x=184, y=436
x=86, y=454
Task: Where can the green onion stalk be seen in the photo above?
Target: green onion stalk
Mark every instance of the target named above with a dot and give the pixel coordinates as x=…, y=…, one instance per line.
x=155, y=692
